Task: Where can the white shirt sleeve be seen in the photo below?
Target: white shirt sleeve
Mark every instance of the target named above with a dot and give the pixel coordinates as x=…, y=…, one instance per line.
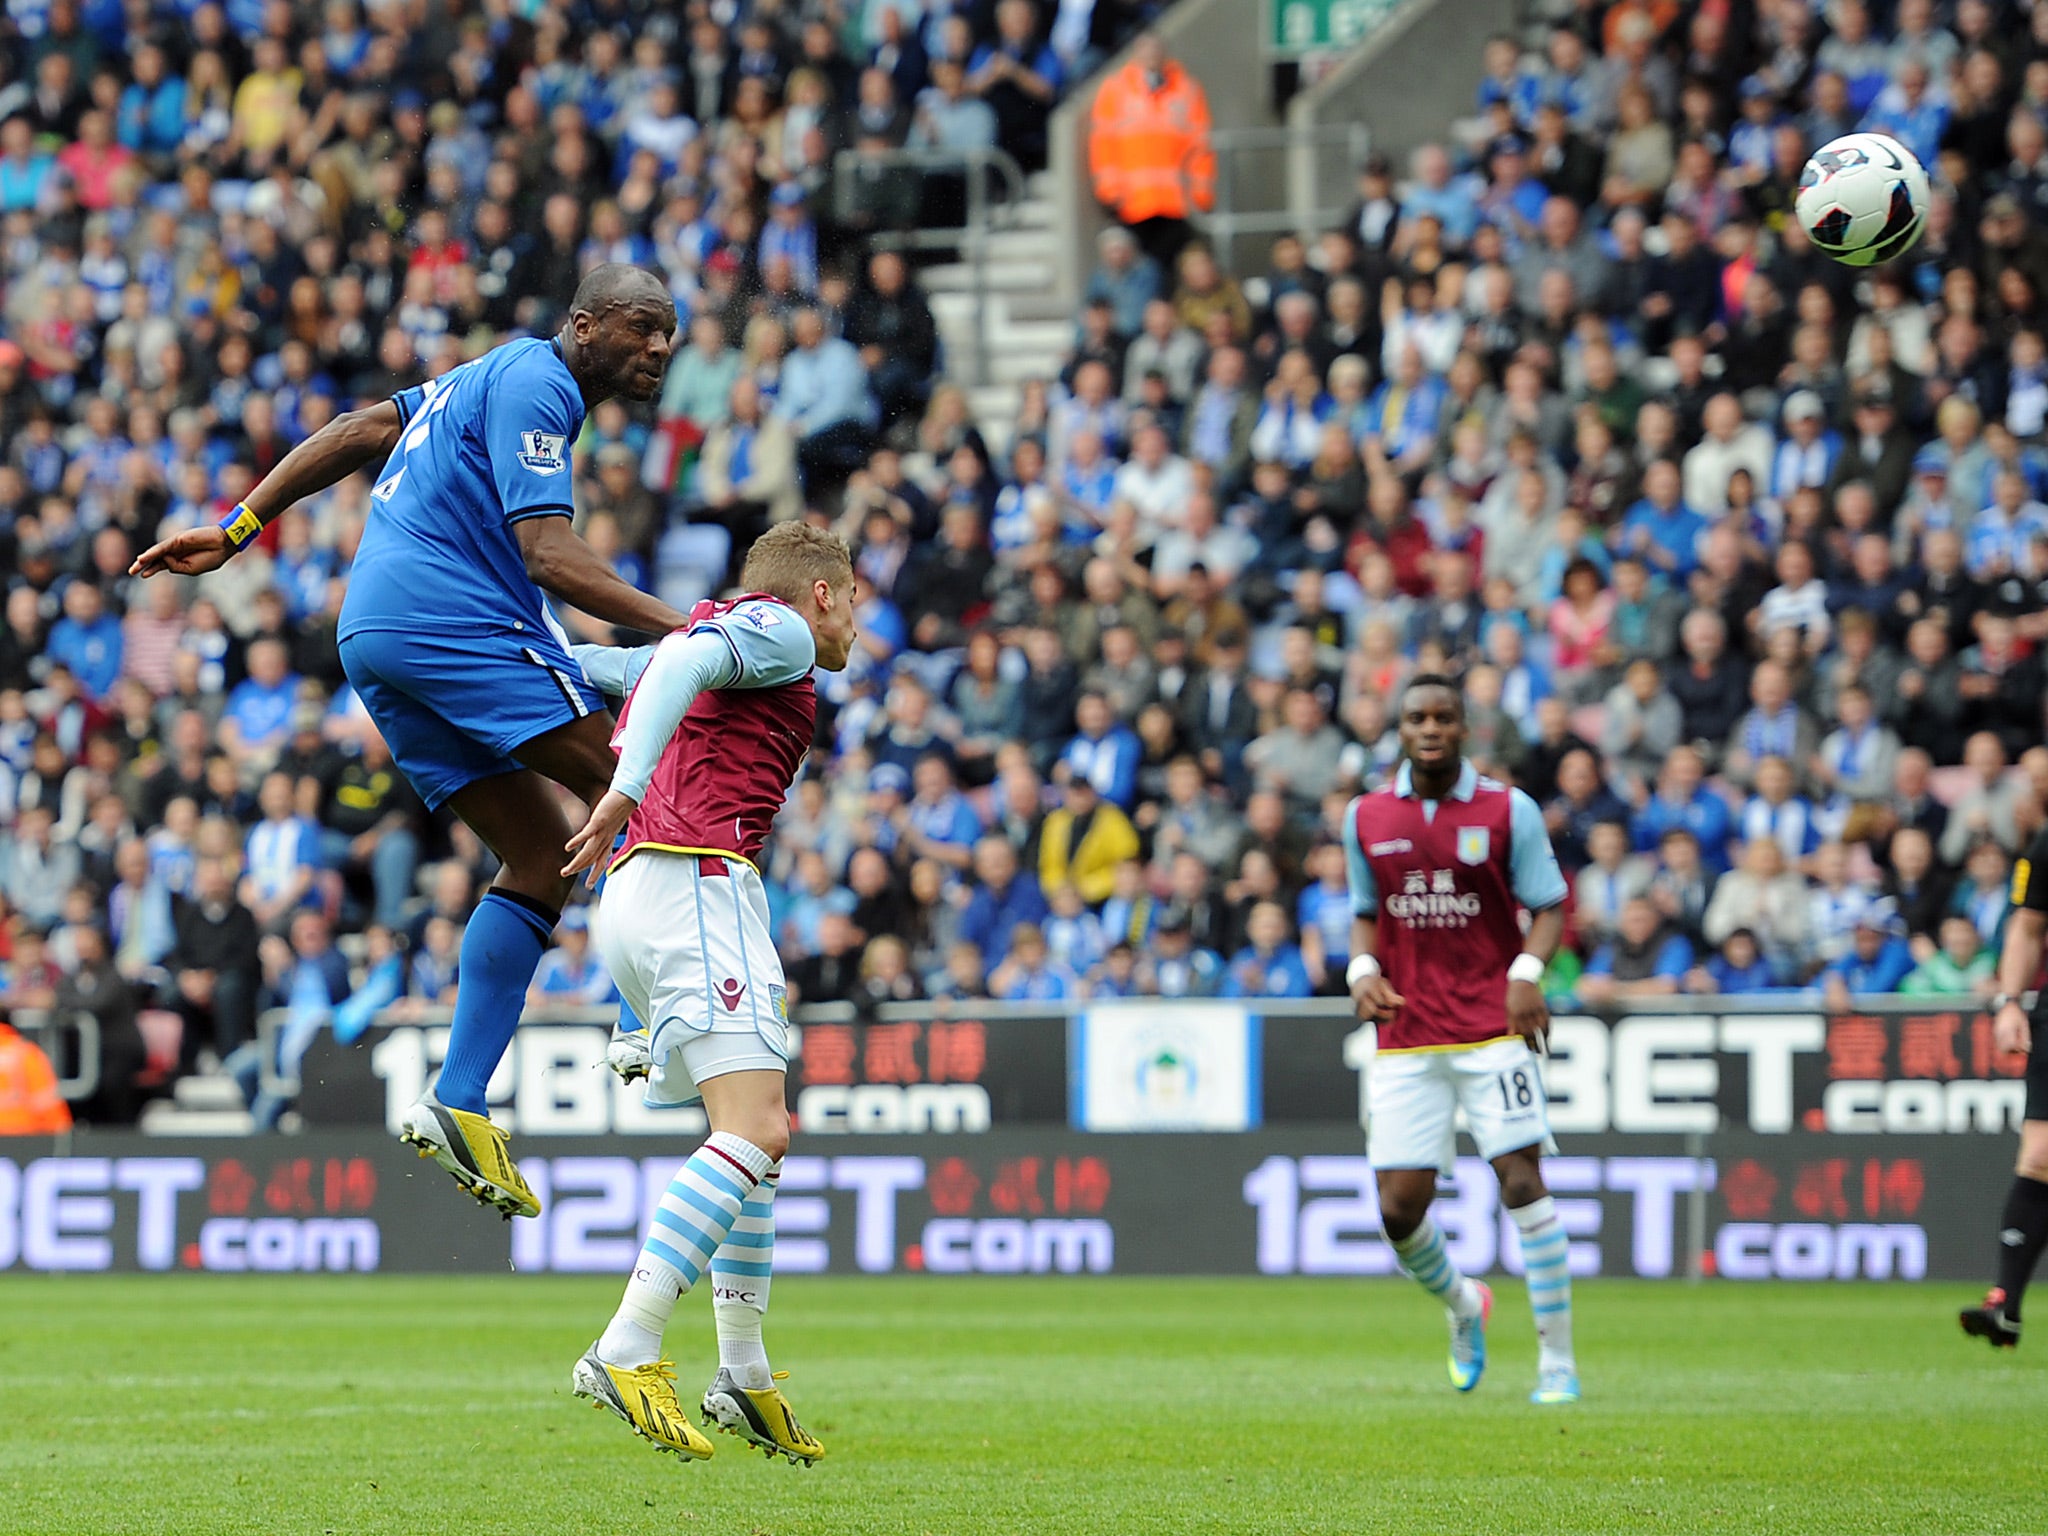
x=683, y=667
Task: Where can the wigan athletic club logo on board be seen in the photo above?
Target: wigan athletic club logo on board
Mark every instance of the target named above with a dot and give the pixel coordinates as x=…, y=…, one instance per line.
x=545, y=453
x=1474, y=843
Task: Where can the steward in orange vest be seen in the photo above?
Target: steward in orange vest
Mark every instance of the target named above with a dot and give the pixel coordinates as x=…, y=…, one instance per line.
x=1148, y=139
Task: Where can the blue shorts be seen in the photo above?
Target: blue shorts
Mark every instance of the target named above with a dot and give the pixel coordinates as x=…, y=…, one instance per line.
x=456, y=707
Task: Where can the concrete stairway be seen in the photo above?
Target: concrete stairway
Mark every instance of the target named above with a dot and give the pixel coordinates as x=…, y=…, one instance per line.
x=199, y=1106
x=1025, y=329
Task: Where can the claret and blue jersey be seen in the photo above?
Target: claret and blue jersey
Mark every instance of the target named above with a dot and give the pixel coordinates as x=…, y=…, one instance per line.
x=443, y=633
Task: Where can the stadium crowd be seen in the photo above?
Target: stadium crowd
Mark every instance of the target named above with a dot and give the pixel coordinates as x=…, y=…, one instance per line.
x=1741, y=555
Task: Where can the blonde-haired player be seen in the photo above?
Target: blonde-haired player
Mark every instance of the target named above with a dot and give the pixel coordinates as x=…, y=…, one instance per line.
x=718, y=719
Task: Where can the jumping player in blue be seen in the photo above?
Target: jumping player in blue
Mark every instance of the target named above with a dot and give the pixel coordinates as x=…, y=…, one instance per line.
x=446, y=635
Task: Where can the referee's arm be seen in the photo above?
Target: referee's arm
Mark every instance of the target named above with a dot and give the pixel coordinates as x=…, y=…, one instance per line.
x=2020, y=960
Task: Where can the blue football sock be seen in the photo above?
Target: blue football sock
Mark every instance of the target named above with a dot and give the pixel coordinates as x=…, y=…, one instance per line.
x=500, y=949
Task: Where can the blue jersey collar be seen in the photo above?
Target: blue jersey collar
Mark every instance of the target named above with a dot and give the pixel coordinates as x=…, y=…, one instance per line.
x=1466, y=787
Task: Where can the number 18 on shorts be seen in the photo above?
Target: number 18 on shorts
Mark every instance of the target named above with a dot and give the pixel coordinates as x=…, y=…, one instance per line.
x=1415, y=1097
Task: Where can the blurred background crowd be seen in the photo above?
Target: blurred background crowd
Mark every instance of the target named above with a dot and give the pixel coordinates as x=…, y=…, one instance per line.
x=1741, y=555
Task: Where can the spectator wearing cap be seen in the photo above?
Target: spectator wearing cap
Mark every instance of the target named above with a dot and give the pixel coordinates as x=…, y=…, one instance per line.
x=791, y=235
x=1878, y=959
x=1877, y=449
x=1808, y=451
x=1513, y=200
x=572, y=973
x=1175, y=965
x=1083, y=842
x=1375, y=218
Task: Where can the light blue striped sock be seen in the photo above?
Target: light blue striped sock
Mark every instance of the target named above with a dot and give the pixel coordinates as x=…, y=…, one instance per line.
x=1426, y=1261
x=740, y=1272
x=692, y=1220
x=1545, y=1259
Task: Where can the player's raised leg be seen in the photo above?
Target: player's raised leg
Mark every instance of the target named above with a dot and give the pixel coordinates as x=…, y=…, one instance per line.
x=520, y=819
x=1545, y=1253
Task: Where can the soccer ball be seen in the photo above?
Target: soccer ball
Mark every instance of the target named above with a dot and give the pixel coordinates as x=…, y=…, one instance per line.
x=1863, y=199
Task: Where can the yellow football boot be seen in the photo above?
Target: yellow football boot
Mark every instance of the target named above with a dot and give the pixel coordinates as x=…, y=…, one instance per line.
x=472, y=1149
x=645, y=1397
x=760, y=1418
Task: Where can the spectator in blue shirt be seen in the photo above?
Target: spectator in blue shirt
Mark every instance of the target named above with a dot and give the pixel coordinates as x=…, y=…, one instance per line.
x=1269, y=966
x=1905, y=110
x=259, y=709
x=1661, y=528
x=1681, y=799
x=823, y=395
x=938, y=823
x=1435, y=194
x=1124, y=278
x=1028, y=975
x=1737, y=969
x=571, y=972
x=151, y=117
x=1004, y=896
x=1177, y=966
x=1106, y=752
x=24, y=170
x=1877, y=961
x=87, y=639
x=1646, y=958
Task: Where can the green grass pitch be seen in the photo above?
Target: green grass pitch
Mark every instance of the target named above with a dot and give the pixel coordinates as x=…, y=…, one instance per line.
x=359, y=1406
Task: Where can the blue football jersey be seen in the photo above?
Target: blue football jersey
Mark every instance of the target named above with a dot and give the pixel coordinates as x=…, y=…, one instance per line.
x=484, y=447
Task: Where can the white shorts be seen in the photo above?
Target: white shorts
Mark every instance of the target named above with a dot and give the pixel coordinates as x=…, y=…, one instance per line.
x=692, y=955
x=1415, y=1096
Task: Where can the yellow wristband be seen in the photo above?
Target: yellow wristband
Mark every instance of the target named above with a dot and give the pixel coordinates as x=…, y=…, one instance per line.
x=241, y=526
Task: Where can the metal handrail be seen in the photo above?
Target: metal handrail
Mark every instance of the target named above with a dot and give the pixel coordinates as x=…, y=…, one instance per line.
x=42, y=1026
x=1225, y=222
x=971, y=237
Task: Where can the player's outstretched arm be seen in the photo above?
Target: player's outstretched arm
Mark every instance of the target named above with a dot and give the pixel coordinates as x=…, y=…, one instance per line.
x=558, y=561
x=353, y=440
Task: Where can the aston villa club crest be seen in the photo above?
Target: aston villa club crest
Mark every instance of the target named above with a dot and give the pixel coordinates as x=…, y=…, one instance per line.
x=1474, y=844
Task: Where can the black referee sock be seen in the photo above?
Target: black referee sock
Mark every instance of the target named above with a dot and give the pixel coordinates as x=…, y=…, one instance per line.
x=2023, y=1233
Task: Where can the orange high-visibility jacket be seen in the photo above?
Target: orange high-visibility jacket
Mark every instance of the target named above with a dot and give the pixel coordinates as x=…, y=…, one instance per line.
x=29, y=1102
x=1149, y=150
